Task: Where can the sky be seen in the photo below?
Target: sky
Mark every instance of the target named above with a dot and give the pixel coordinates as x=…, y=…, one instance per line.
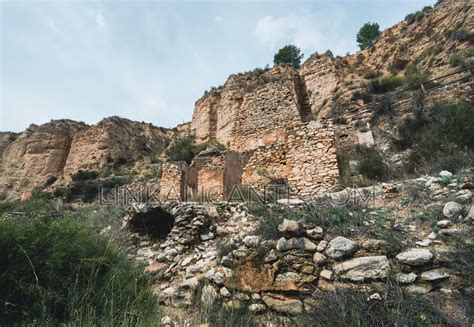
x=151, y=60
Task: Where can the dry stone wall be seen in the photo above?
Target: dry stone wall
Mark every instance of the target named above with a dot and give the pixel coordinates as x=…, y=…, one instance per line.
x=311, y=159
x=173, y=180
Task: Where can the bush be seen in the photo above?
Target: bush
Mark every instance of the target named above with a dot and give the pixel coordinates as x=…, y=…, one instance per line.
x=368, y=35
x=383, y=108
x=371, y=164
x=439, y=140
x=455, y=60
x=413, y=76
x=372, y=74
x=185, y=149
x=386, y=84
x=50, y=181
x=290, y=55
x=84, y=175
x=56, y=270
x=362, y=95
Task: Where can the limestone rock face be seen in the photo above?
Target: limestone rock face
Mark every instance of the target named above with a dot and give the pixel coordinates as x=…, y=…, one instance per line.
x=321, y=79
x=112, y=140
x=251, y=109
x=37, y=154
x=340, y=247
x=363, y=268
x=61, y=147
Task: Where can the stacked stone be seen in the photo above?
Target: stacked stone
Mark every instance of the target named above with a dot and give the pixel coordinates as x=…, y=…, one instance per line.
x=173, y=180
x=311, y=159
x=266, y=161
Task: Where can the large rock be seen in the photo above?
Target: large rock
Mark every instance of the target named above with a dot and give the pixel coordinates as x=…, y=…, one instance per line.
x=452, y=209
x=363, y=268
x=296, y=243
x=287, y=281
x=341, y=247
x=291, y=228
x=415, y=256
x=406, y=278
x=435, y=274
x=284, y=305
x=315, y=233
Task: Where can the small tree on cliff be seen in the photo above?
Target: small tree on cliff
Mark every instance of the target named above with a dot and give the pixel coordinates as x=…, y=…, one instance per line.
x=368, y=35
x=290, y=54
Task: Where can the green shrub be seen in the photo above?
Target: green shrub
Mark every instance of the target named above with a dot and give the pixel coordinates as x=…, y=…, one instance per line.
x=386, y=84
x=413, y=76
x=442, y=139
x=372, y=74
x=185, y=149
x=384, y=108
x=371, y=164
x=56, y=270
x=83, y=175
x=455, y=60
x=362, y=95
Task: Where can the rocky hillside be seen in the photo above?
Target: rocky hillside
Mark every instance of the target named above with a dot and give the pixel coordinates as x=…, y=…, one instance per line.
x=53, y=152
x=255, y=109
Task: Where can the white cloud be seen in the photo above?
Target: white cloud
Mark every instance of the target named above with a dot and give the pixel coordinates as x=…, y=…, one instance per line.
x=99, y=19
x=297, y=29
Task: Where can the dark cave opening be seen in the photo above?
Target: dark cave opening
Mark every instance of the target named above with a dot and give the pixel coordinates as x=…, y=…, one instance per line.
x=156, y=222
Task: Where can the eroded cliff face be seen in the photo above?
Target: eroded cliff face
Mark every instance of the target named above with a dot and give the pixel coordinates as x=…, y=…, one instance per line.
x=37, y=154
x=53, y=152
x=251, y=109
x=268, y=100
x=112, y=140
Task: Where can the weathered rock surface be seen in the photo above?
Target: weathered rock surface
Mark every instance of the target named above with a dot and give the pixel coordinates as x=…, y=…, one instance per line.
x=452, y=209
x=363, y=268
x=298, y=243
x=415, y=256
x=341, y=247
x=284, y=305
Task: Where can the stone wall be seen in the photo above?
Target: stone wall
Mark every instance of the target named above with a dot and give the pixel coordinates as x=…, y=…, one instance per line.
x=311, y=159
x=173, y=180
x=321, y=80
x=266, y=164
x=264, y=115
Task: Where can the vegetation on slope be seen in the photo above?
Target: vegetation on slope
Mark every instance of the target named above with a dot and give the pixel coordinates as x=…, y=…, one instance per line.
x=57, y=268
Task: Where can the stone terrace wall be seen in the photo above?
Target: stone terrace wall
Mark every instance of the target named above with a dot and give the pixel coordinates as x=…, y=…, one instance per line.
x=173, y=180
x=265, y=162
x=264, y=115
x=210, y=178
x=311, y=159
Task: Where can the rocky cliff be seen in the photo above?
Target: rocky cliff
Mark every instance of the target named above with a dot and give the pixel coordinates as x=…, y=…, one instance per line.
x=256, y=109
x=53, y=152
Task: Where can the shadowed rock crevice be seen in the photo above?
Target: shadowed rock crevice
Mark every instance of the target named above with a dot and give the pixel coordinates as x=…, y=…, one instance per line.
x=155, y=222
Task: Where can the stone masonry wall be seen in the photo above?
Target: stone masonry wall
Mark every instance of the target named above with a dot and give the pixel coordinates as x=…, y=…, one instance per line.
x=264, y=115
x=266, y=162
x=311, y=159
x=173, y=180
x=210, y=179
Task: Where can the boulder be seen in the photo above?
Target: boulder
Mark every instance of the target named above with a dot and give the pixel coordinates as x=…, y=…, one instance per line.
x=296, y=243
x=445, y=174
x=251, y=241
x=319, y=258
x=406, y=278
x=291, y=228
x=363, y=268
x=321, y=246
x=415, y=256
x=287, y=281
x=452, y=209
x=445, y=223
x=257, y=307
x=315, y=233
x=286, y=305
x=435, y=274
x=341, y=247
